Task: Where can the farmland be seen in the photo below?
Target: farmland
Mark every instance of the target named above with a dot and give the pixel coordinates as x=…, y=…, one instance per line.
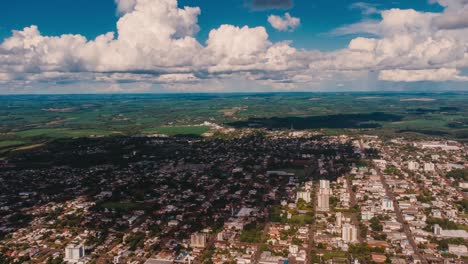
x=31, y=119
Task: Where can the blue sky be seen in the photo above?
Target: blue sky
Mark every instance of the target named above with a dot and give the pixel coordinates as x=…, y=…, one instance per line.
x=92, y=18
x=371, y=27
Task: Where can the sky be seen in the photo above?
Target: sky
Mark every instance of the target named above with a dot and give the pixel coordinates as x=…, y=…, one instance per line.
x=139, y=46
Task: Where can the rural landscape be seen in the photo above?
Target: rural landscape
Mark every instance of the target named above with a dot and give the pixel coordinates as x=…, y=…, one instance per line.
x=31, y=120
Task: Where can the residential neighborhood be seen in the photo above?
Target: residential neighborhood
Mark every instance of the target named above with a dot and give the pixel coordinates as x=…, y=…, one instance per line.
x=272, y=197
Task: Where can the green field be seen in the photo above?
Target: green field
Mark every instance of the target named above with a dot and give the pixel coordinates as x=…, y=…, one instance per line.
x=38, y=118
x=10, y=143
x=178, y=130
x=64, y=133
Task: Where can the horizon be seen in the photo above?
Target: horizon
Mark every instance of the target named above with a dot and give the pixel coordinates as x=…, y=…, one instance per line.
x=390, y=92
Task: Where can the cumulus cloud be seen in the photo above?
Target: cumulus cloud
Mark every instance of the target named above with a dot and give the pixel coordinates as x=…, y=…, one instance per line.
x=125, y=6
x=367, y=26
x=442, y=74
x=271, y=4
x=366, y=8
x=451, y=21
x=285, y=23
x=455, y=15
x=155, y=44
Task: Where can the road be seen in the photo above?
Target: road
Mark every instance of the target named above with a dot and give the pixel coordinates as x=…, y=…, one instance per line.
x=353, y=203
x=310, y=244
x=258, y=254
x=400, y=218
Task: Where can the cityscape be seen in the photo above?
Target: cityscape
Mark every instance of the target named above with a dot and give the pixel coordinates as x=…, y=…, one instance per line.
x=234, y=132
x=262, y=197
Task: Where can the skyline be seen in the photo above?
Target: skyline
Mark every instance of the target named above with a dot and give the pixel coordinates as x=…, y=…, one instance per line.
x=242, y=46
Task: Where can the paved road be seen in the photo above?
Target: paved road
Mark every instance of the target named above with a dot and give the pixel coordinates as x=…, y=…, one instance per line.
x=354, y=215
x=258, y=254
x=310, y=245
x=400, y=218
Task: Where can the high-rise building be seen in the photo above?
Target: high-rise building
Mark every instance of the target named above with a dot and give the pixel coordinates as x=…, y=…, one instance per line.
x=349, y=233
x=323, y=203
x=387, y=204
x=305, y=195
x=339, y=219
x=324, y=184
x=429, y=167
x=74, y=253
x=413, y=165
x=198, y=240
x=323, y=196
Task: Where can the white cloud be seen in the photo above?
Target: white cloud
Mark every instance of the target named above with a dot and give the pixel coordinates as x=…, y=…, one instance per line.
x=156, y=36
x=285, y=23
x=366, y=26
x=155, y=44
x=366, y=8
x=455, y=15
x=125, y=6
x=231, y=45
x=443, y=74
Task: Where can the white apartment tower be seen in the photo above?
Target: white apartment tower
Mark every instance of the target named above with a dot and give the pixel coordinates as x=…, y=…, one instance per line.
x=339, y=219
x=349, y=233
x=413, y=166
x=323, y=196
x=324, y=184
x=429, y=167
x=387, y=204
x=304, y=195
x=198, y=240
x=74, y=253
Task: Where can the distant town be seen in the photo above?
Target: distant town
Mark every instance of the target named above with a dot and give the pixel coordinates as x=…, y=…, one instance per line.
x=267, y=197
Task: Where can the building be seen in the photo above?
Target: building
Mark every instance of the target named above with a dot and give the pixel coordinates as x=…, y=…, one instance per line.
x=413, y=165
x=74, y=253
x=306, y=196
x=459, y=250
x=324, y=184
x=198, y=240
x=323, y=202
x=429, y=167
x=387, y=204
x=349, y=233
x=163, y=257
x=293, y=249
x=439, y=232
x=339, y=219
x=323, y=197
x=268, y=258
x=367, y=215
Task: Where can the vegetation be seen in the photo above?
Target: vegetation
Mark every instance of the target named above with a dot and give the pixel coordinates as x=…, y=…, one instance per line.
x=375, y=224
x=32, y=119
x=252, y=232
x=444, y=223
x=135, y=241
x=459, y=174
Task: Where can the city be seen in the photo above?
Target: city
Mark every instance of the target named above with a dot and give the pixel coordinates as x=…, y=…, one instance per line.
x=264, y=197
x=234, y=132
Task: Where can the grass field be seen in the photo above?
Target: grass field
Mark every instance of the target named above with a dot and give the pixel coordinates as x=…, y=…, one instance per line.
x=10, y=143
x=35, y=118
x=178, y=130
x=64, y=133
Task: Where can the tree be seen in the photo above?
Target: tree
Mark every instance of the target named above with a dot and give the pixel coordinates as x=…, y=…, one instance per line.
x=375, y=224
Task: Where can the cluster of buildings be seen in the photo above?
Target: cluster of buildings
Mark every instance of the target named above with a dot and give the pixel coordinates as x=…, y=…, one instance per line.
x=272, y=198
